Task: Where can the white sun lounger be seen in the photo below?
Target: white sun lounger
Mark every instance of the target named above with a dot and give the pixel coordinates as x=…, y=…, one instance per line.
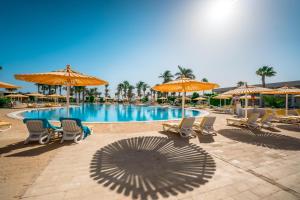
x=37, y=132
x=184, y=128
x=71, y=131
x=206, y=126
x=250, y=122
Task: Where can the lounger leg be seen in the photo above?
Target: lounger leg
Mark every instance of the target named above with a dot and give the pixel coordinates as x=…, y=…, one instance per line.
x=26, y=141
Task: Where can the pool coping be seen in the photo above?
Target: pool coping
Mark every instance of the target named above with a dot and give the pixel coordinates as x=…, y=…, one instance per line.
x=16, y=115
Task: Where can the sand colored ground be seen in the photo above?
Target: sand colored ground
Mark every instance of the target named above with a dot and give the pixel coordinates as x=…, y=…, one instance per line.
x=235, y=164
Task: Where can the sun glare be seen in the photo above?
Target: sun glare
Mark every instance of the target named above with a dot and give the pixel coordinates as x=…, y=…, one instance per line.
x=221, y=11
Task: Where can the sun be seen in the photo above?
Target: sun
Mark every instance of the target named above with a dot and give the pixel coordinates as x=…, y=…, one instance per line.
x=221, y=11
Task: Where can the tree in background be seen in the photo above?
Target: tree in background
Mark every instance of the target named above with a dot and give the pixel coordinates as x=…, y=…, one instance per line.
x=130, y=93
x=265, y=71
x=139, y=87
x=125, y=88
x=204, y=80
x=166, y=76
x=185, y=72
x=240, y=83
x=106, y=91
x=144, y=88
x=119, y=90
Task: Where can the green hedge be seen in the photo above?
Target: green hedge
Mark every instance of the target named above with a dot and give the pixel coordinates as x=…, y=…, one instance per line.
x=4, y=102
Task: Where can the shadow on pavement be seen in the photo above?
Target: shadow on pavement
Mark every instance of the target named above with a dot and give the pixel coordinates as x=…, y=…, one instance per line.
x=261, y=138
x=150, y=167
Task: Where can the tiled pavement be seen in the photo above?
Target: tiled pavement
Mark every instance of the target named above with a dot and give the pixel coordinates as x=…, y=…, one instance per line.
x=235, y=164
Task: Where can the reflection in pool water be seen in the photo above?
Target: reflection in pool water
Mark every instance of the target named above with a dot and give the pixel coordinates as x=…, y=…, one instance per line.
x=112, y=113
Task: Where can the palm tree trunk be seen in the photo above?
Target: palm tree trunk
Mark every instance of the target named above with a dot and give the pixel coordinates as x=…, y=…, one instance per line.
x=263, y=80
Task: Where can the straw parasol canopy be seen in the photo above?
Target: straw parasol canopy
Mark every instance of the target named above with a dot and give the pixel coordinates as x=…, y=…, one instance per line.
x=186, y=99
x=200, y=98
x=67, y=77
x=8, y=86
x=55, y=96
x=222, y=96
x=247, y=89
x=249, y=97
x=185, y=85
x=285, y=91
x=16, y=96
x=38, y=95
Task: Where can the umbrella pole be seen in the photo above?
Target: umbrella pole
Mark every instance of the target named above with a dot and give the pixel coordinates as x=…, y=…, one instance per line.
x=68, y=99
x=183, y=101
x=220, y=103
x=286, y=104
x=246, y=107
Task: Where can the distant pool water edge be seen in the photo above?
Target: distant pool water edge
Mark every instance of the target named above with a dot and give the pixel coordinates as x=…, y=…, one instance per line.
x=104, y=113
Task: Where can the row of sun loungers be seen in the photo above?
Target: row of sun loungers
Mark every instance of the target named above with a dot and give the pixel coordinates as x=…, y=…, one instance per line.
x=42, y=130
x=188, y=126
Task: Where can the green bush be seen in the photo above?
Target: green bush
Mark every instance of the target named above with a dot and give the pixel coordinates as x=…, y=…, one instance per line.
x=4, y=102
x=274, y=101
x=145, y=99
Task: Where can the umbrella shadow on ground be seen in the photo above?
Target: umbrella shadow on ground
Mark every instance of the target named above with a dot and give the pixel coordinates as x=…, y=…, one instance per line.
x=261, y=138
x=176, y=138
x=289, y=127
x=38, y=149
x=205, y=138
x=151, y=167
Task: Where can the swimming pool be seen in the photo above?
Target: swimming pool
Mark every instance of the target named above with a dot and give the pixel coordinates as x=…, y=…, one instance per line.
x=112, y=113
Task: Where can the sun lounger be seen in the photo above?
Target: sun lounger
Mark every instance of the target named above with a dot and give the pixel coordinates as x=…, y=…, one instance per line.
x=39, y=130
x=206, y=126
x=184, y=128
x=4, y=125
x=266, y=120
x=32, y=105
x=73, y=129
x=250, y=122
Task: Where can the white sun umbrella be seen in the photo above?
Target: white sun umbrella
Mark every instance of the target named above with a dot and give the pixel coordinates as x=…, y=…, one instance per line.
x=246, y=90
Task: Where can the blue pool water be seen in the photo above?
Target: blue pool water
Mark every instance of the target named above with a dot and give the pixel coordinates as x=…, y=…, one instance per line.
x=112, y=113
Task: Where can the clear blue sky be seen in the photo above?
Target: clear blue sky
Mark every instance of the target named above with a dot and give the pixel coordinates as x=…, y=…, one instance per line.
x=137, y=40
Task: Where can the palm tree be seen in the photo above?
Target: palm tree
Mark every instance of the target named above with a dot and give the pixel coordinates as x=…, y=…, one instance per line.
x=145, y=86
x=106, y=90
x=139, y=87
x=185, y=72
x=11, y=89
x=130, y=93
x=38, y=86
x=204, y=80
x=119, y=90
x=265, y=71
x=59, y=89
x=166, y=76
x=125, y=87
x=44, y=88
x=240, y=83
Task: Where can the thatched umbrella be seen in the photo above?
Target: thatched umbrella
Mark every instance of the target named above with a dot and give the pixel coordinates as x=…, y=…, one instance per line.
x=286, y=91
x=246, y=90
x=66, y=77
x=185, y=85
